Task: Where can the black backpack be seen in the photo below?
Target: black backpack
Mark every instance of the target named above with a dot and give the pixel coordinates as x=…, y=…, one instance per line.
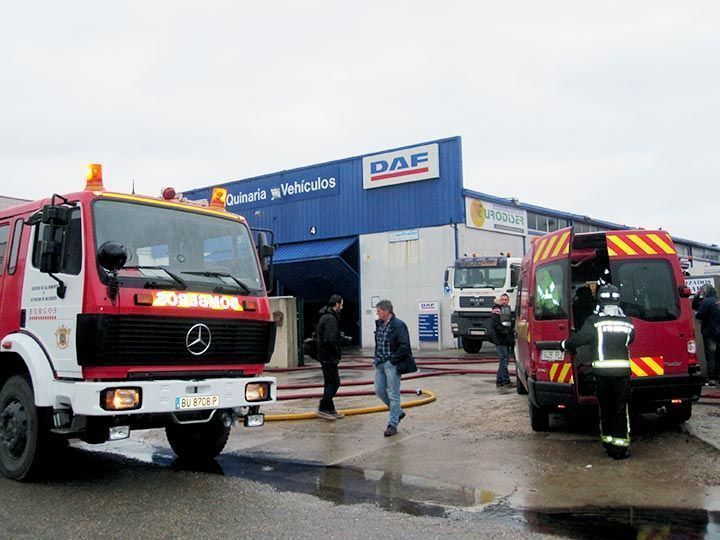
x=310, y=345
x=487, y=324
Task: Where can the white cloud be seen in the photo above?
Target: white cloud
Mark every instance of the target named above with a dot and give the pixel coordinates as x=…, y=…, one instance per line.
x=606, y=109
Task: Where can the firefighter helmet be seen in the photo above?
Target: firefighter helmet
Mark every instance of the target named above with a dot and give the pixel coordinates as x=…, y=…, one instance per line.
x=608, y=295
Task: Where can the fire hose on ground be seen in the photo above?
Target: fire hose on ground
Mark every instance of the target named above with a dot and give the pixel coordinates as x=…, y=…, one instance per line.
x=428, y=396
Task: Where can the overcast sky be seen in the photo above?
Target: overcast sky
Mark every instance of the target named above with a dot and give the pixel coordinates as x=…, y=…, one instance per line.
x=608, y=109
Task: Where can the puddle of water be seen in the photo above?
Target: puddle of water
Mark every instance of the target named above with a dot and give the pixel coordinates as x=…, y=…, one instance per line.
x=396, y=492
x=639, y=523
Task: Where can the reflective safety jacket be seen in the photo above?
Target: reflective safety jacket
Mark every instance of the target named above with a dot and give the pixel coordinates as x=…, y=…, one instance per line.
x=607, y=338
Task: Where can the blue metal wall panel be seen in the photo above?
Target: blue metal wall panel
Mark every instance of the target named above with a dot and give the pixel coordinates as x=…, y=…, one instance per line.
x=346, y=209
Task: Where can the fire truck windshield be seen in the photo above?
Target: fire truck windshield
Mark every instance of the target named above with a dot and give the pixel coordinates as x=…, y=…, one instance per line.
x=178, y=249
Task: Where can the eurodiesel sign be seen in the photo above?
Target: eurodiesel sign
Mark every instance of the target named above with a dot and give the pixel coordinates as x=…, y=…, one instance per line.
x=402, y=166
x=495, y=217
x=283, y=188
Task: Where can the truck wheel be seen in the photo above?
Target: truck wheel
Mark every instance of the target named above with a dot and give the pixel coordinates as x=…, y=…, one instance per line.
x=678, y=415
x=539, y=418
x=198, y=442
x=471, y=346
x=519, y=386
x=24, y=431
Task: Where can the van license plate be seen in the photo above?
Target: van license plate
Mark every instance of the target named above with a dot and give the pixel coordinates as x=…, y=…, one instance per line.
x=196, y=402
x=552, y=355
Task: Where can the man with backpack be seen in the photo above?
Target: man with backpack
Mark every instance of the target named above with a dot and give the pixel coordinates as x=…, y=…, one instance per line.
x=502, y=337
x=328, y=348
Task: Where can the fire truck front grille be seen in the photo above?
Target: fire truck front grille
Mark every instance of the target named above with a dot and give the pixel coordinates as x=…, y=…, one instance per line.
x=476, y=301
x=106, y=340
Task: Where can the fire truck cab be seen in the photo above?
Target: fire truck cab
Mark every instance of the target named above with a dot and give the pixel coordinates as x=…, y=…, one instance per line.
x=122, y=312
x=558, y=279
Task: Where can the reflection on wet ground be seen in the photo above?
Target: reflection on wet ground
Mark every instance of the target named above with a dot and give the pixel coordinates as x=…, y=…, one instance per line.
x=407, y=494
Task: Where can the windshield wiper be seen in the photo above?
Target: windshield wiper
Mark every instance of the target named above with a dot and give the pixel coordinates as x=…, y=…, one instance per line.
x=152, y=284
x=218, y=275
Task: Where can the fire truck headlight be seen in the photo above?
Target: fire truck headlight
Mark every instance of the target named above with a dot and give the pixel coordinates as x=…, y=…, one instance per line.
x=121, y=399
x=257, y=391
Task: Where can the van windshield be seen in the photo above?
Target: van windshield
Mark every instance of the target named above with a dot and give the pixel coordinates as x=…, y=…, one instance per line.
x=647, y=289
x=177, y=249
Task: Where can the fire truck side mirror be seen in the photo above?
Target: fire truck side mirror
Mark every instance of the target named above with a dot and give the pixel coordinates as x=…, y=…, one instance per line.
x=112, y=256
x=56, y=216
x=265, y=250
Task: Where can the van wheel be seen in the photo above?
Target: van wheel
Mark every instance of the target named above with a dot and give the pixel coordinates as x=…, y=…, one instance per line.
x=471, y=346
x=24, y=431
x=678, y=415
x=198, y=442
x=539, y=418
x=519, y=386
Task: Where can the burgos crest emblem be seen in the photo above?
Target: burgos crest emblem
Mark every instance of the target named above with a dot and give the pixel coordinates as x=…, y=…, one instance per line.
x=62, y=337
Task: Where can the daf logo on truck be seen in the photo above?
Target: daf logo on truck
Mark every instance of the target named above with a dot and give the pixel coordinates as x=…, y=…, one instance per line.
x=401, y=166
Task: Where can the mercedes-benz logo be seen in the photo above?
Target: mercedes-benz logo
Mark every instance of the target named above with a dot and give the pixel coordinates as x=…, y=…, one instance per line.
x=197, y=340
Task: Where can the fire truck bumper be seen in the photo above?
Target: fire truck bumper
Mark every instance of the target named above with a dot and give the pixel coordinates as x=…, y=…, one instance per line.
x=549, y=394
x=648, y=393
x=167, y=396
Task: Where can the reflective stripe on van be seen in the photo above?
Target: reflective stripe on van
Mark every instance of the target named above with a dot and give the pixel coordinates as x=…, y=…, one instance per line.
x=647, y=366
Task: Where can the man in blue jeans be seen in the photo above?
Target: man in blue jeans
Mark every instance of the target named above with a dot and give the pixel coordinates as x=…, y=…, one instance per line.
x=503, y=339
x=392, y=345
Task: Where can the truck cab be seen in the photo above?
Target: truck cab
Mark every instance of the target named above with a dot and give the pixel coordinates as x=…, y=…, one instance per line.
x=557, y=284
x=123, y=312
x=475, y=285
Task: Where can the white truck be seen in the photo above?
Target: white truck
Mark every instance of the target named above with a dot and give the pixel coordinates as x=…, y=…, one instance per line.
x=475, y=284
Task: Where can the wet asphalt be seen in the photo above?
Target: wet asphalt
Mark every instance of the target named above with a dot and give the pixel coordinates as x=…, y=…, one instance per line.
x=466, y=465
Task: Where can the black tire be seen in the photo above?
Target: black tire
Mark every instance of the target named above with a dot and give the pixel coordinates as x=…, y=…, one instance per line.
x=24, y=431
x=539, y=418
x=520, y=387
x=678, y=415
x=198, y=442
x=471, y=346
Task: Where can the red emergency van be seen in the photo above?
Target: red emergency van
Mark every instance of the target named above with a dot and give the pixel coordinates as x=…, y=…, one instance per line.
x=558, y=278
x=122, y=312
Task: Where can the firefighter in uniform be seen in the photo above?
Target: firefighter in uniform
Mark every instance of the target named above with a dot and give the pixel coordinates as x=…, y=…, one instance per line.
x=607, y=334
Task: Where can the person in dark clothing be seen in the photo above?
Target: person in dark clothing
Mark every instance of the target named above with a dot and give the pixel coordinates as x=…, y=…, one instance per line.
x=607, y=334
x=392, y=346
x=583, y=305
x=329, y=353
x=503, y=339
x=708, y=312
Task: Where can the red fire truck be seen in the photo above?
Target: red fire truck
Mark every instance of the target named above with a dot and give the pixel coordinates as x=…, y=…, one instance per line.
x=121, y=312
x=556, y=294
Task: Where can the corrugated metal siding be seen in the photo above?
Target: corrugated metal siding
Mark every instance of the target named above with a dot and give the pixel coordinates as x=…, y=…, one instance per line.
x=354, y=210
x=320, y=249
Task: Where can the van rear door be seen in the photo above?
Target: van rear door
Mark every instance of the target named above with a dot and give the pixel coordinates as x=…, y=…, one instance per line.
x=644, y=265
x=550, y=313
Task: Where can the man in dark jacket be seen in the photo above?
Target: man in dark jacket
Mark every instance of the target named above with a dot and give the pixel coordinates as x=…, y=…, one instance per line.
x=328, y=339
x=708, y=312
x=503, y=339
x=392, y=346
x=607, y=334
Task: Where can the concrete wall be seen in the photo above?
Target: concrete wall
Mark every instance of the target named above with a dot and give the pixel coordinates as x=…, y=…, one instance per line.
x=405, y=273
x=284, y=310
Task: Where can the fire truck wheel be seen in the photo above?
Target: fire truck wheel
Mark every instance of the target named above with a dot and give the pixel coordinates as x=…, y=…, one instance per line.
x=471, y=346
x=24, y=431
x=519, y=386
x=539, y=418
x=198, y=442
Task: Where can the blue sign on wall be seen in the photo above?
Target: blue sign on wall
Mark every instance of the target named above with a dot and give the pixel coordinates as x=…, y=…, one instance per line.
x=428, y=326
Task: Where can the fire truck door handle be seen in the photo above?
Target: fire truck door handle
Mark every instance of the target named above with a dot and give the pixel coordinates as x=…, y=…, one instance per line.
x=561, y=327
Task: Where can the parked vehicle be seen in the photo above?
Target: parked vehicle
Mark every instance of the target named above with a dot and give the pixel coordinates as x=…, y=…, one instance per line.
x=122, y=312
x=644, y=265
